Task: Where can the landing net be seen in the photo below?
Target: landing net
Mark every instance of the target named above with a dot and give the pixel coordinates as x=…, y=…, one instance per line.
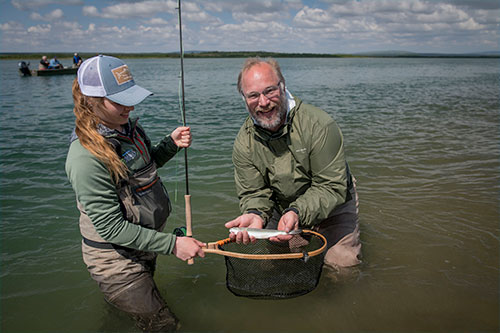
x=270, y=270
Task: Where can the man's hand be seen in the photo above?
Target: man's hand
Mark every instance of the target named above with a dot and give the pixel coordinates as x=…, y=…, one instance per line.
x=188, y=248
x=288, y=222
x=245, y=221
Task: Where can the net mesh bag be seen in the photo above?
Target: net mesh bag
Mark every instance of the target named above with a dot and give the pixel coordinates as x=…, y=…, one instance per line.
x=270, y=270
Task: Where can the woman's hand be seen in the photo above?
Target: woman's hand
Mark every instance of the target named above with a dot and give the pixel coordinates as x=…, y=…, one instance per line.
x=188, y=248
x=182, y=136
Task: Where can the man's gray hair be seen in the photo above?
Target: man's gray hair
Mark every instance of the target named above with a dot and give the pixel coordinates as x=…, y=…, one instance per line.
x=250, y=62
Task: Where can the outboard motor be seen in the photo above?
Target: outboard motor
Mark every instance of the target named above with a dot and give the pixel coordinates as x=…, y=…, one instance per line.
x=24, y=68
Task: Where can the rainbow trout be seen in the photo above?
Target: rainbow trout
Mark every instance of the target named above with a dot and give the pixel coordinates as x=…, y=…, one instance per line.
x=263, y=233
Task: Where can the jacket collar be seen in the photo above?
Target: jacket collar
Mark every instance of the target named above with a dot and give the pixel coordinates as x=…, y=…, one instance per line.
x=129, y=128
x=110, y=133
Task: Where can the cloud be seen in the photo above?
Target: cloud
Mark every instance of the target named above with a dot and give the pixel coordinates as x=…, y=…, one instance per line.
x=264, y=17
x=417, y=25
x=131, y=10
x=33, y=4
x=255, y=10
x=70, y=26
x=312, y=17
x=259, y=7
x=275, y=25
x=388, y=17
x=192, y=12
x=52, y=16
x=251, y=27
x=488, y=17
x=247, y=35
x=11, y=27
x=40, y=29
x=254, y=7
x=442, y=13
x=121, y=38
x=157, y=21
x=90, y=11
x=476, y=4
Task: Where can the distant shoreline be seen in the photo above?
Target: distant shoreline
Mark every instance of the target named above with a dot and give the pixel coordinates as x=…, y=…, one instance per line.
x=240, y=54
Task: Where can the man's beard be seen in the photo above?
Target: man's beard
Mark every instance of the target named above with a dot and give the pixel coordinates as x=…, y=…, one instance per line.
x=276, y=120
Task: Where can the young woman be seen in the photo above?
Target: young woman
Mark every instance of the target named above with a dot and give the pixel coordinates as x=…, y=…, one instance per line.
x=112, y=167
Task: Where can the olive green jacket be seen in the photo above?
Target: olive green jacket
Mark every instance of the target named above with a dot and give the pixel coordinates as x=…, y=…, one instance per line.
x=301, y=166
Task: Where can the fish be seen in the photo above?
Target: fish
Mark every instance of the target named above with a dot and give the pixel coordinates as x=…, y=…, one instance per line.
x=263, y=233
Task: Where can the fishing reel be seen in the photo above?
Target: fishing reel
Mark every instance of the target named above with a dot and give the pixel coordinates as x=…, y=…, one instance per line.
x=180, y=231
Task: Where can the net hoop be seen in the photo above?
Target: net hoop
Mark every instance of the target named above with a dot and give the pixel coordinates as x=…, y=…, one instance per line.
x=214, y=248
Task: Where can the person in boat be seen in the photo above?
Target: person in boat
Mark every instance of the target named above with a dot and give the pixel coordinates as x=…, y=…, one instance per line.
x=77, y=60
x=24, y=68
x=112, y=167
x=55, y=64
x=290, y=167
x=44, y=63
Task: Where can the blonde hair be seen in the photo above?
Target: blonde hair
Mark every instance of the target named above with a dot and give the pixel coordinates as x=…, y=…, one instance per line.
x=250, y=62
x=86, y=129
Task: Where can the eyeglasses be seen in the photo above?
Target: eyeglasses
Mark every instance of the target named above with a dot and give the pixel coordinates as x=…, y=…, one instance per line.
x=269, y=92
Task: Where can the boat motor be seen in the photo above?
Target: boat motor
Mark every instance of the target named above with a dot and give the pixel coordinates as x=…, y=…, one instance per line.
x=24, y=68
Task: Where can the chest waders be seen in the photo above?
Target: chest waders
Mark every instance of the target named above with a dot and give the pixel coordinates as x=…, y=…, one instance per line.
x=125, y=275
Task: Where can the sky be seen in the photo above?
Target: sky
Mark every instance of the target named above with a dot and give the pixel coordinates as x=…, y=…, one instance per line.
x=290, y=26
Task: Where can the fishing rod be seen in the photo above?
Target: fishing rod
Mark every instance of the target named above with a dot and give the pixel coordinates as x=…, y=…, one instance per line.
x=187, y=196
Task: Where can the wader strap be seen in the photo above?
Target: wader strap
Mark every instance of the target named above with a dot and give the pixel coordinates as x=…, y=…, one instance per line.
x=350, y=183
x=349, y=177
x=99, y=245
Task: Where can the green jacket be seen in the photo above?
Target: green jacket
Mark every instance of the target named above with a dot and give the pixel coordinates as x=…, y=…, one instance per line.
x=97, y=195
x=301, y=166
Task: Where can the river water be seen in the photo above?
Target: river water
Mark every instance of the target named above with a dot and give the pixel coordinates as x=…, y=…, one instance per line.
x=421, y=137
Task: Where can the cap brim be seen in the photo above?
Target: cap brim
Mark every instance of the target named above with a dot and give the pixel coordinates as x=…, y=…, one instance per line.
x=131, y=96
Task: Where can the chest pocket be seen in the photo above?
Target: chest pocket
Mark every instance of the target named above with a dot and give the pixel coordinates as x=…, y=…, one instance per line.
x=144, y=199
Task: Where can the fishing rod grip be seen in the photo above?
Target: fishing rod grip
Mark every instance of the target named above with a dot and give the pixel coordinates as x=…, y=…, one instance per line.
x=189, y=231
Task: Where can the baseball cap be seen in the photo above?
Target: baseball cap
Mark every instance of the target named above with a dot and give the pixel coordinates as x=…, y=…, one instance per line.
x=105, y=76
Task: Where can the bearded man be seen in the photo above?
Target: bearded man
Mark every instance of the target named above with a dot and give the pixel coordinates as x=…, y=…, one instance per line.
x=290, y=169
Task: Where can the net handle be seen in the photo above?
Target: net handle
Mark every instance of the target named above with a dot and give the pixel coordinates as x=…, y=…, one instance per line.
x=214, y=248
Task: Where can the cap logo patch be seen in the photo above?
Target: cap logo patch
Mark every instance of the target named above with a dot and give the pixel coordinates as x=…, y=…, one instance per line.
x=122, y=74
